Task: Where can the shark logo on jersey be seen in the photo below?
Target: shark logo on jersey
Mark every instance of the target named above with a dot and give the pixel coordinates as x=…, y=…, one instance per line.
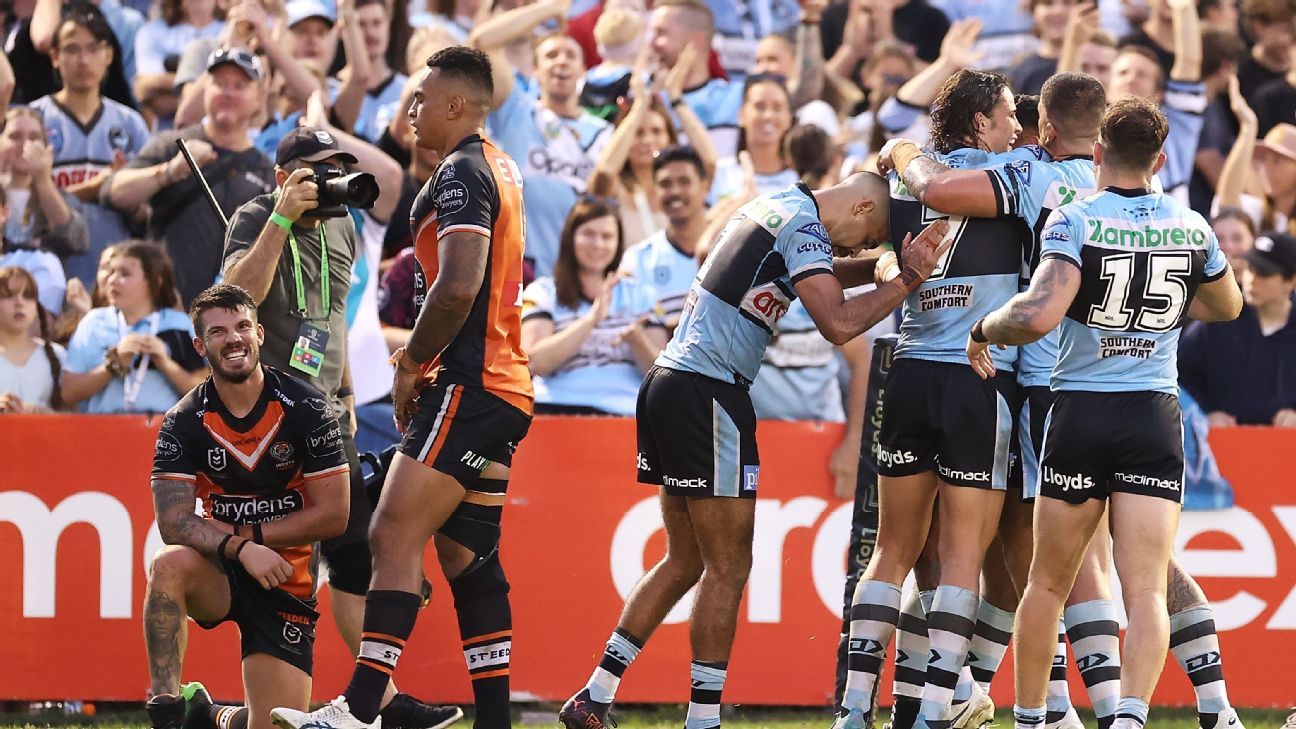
x=55, y=135
x=1021, y=169
x=119, y=139
x=817, y=231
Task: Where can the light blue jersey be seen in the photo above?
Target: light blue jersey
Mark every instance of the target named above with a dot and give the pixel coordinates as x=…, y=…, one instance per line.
x=978, y=274
x=378, y=108
x=1184, y=106
x=1032, y=190
x=746, y=285
x=152, y=392
x=556, y=155
x=658, y=263
x=716, y=104
x=799, y=377
x=603, y=374
x=1141, y=255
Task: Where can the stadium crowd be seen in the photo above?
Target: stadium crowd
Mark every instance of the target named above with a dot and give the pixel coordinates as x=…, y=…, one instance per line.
x=638, y=132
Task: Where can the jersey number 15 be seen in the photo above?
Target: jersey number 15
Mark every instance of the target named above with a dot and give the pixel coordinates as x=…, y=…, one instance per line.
x=1165, y=291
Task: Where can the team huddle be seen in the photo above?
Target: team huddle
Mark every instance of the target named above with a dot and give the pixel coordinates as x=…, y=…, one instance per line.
x=1033, y=393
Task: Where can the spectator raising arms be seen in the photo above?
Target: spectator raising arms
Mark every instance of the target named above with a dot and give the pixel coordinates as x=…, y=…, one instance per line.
x=625, y=170
x=136, y=354
x=158, y=46
x=29, y=383
x=553, y=140
x=590, y=333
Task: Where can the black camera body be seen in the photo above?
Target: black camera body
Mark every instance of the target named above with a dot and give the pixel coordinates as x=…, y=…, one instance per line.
x=339, y=191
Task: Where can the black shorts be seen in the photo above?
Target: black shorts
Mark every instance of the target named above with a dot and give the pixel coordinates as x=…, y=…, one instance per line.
x=347, y=554
x=1036, y=402
x=460, y=430
x=697, y=435
x=271, y=621
x=1099, y=443
x=941, y=416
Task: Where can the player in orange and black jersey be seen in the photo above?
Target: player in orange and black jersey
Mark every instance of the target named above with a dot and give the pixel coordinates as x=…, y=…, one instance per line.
x=463, y=399
x=264, y=453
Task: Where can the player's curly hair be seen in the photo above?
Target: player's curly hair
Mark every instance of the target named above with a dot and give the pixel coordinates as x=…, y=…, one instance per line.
x=953, y=117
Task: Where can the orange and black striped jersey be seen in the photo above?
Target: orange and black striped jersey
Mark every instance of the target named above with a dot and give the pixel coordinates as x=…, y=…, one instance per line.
x=254, y=469
x=478, y=189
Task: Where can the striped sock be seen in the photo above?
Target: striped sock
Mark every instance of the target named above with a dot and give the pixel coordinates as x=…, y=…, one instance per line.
x=1095, y=640
x=911, y=649
x=388, y=621
x=949, y=628
x=622, y=648
x=1024, y=718
x=228, y=717
x=873, y=617
x=708, y=681
x=486, y=627
x=989, y=643
x=1195, y=646
x=1058, y=701
x=1131, y=713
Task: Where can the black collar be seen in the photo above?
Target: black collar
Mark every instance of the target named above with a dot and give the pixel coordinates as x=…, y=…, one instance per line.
x=810, y=194
x=1128, y=191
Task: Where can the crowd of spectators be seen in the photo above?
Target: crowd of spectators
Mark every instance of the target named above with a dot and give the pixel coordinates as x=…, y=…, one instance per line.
x=638, y=128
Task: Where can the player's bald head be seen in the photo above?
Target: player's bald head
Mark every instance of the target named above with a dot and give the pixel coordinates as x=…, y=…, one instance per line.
x=856, y=211
x=867, y=184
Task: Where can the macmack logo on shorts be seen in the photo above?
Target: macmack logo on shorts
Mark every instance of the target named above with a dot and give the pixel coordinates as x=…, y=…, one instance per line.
x=895, y=458
x=950, y=474
x=1139, y=479
x=1068, y=482
x=684, y=483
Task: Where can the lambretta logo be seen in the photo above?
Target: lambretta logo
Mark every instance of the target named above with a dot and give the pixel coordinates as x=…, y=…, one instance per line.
x=254, y=509
x=1139, y=479
x=895, y=458
x=1112, y=233
x=1068, y=482
x=950, y=474
x=684, y=483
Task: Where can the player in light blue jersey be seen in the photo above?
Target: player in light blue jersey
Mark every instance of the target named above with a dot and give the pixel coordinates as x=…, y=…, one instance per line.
x=943, y=430
x=696, y=426
x=554, y=141
x=1121, y=271
x=1071, y=110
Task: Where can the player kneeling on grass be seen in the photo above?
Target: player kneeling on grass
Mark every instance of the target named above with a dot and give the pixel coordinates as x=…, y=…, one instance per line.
x=264, y=453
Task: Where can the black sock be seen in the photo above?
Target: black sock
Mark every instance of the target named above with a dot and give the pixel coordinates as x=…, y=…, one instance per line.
x=904, y=712
x=227, y=717
x=486, y=626
x=388, y=622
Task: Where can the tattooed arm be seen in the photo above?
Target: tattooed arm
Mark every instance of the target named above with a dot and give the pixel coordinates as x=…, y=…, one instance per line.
x=808, y=81
x=970, y=193
x=173, y=502
x=1038, y=310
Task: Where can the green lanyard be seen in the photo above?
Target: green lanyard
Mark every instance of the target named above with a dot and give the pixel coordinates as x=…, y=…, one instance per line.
x=324, y=272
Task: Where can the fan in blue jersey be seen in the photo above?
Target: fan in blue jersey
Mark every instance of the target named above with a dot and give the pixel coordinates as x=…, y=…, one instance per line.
x=673, y=26
x=1071, y=110
x=696, y=426
x=1121, y=271
x=554, y=141
x=666, y=260
x=943, y=430
x=1182, y=97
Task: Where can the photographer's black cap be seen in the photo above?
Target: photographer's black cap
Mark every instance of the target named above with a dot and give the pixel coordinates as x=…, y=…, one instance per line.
x=1274, y=254
x=309, y=145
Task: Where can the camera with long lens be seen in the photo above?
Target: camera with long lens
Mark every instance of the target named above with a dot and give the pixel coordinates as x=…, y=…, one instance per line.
x=339, y=191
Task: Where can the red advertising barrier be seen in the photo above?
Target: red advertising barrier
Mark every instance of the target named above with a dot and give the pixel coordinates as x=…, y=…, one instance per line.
x=76, y=529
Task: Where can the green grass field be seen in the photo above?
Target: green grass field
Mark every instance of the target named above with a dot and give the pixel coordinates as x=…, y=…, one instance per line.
x=651, y=717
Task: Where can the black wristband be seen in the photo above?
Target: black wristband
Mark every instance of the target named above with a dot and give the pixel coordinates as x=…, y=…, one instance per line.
x=220, y=551
x=978, y=332
x=676, y=102
x=238, y=549
x=345, y=392
x=256, y=534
